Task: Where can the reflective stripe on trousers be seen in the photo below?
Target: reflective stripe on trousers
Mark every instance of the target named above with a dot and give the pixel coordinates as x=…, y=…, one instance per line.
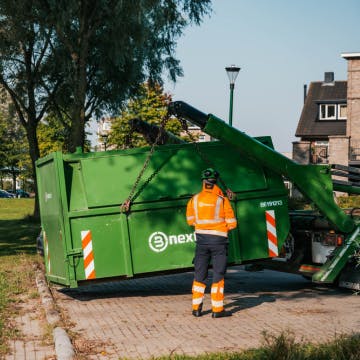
x=198, y=291
x=217, y=296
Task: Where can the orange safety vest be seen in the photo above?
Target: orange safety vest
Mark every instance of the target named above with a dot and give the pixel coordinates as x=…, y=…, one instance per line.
x=210, y=212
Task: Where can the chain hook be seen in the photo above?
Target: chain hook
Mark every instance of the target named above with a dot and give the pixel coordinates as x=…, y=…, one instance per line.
x=125, y=206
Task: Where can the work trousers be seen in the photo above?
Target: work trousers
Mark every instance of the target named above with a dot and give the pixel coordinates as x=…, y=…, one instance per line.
x=217, y=254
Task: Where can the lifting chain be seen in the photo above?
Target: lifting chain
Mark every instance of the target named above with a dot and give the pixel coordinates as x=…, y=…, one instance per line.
x=125, y=206
x=230, y=194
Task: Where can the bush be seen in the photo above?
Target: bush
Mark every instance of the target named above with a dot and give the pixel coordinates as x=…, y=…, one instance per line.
x=348, y=202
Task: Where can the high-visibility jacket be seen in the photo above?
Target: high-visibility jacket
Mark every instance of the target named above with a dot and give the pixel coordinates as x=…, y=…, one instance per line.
x=210, y=212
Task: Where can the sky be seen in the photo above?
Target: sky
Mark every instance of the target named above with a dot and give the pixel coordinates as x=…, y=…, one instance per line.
x=280, y=45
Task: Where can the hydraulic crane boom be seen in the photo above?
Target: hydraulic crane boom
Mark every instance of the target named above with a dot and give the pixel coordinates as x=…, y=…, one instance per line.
x=314, y=181
x=153, y=133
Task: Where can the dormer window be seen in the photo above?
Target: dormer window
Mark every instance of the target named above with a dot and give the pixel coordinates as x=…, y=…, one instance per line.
x=332, y=111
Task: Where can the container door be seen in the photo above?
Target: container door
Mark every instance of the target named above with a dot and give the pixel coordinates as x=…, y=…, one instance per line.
x=103, y=244
x=52, y=223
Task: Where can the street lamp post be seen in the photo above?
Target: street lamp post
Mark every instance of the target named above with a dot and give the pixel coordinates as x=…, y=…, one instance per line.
x=232, y=72
x=105, y=140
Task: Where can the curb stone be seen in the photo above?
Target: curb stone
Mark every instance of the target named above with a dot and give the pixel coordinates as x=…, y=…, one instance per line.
x=63, y=347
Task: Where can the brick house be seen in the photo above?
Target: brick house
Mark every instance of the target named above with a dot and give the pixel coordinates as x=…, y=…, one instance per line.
x=329, y=125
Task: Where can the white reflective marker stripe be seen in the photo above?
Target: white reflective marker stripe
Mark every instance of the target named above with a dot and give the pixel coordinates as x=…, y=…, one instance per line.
x=197, y=301
x=271, y=233
x=272, y=247
x=199, y=289
x=270, y=228
x=87, y=250
x=190, y=217
x=89, y=264
x=218, y=303
x=211, y=232
x=89, y=269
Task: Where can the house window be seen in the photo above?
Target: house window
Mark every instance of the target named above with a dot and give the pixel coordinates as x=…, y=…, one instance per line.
x=319, y=152
x=106, y=126
x=332, y=112
x=327, y=112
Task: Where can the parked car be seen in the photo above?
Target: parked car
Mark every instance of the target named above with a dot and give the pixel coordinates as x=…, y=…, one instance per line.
x=19, y=193
x=22, y=193
x=6, y=195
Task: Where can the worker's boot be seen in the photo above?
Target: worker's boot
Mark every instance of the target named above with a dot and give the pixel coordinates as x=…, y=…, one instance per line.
x=197, y=313
x=221, y=314
x=217, y=300
x=198, y=290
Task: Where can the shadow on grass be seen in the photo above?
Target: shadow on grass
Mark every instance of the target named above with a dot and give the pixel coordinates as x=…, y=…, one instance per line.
x=18, y=236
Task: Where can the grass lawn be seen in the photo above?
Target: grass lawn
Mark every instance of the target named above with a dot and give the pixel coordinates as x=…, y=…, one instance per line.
x=284, y=347
x=17, y=261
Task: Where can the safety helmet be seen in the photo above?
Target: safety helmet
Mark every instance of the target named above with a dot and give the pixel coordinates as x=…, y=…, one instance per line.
x=209, y=173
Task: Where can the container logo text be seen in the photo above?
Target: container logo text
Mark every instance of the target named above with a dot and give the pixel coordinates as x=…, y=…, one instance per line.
x=158, y=241
x=271, y=203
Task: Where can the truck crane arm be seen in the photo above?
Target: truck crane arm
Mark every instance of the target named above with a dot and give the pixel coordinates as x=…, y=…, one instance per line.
x=314, y=181
x=153, y=133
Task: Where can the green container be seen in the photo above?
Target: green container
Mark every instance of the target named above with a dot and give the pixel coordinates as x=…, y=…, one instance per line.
x=87, y=238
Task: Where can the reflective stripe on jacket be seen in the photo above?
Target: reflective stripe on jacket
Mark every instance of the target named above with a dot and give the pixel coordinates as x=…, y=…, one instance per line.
x=210, y=212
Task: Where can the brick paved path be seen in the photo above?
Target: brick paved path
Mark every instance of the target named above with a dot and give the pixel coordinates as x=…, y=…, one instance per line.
x=33, y=342
x=151, y=317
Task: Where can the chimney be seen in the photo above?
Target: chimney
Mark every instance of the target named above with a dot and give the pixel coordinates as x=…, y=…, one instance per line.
x=353, y=102
x=329, y=77
x=305, y=92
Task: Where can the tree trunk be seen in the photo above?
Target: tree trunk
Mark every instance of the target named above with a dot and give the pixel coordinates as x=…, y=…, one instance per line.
x=77, y=135
x=80, y=60
x=34, y=155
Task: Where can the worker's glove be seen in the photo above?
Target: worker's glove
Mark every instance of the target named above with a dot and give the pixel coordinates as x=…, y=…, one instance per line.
x=230, y=194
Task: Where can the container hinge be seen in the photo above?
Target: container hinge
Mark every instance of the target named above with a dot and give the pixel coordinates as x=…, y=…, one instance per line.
x=75, y=252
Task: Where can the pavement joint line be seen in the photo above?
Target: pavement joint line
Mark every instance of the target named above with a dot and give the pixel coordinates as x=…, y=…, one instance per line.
x=63, y=347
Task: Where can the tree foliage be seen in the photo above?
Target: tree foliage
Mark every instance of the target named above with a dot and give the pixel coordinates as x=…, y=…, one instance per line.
x=150, y=105
x=27, y=71
x=110, y=47
x=77, y=59
x=14, y=155
x=51, y=135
